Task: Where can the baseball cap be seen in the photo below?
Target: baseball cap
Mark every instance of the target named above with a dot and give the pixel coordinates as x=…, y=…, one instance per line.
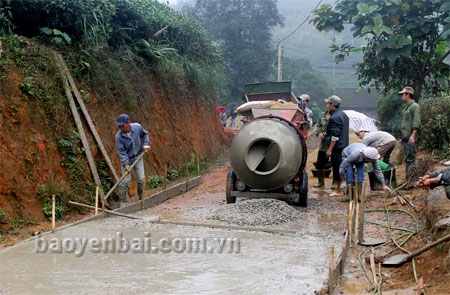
x=407, y=89
x=304, y=97
x=334, y=99
x=122, y=119
x=371, y=153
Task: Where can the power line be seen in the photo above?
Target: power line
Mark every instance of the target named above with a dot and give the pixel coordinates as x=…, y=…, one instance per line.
x=304, y=21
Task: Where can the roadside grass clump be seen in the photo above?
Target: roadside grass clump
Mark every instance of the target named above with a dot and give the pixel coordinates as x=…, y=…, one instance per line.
x=172, y=173
x=154, y=181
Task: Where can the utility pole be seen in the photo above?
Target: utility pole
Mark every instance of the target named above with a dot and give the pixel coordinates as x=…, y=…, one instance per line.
x=280, y=60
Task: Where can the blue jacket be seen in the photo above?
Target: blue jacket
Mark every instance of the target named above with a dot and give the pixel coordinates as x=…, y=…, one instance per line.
x=352, y=155
x=130, y=145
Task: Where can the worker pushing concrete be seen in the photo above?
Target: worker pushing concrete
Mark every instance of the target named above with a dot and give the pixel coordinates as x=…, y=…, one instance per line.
x=131, y=140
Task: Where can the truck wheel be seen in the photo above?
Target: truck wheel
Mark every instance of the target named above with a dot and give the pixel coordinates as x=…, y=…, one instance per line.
x=303, y=191
x=231, y=179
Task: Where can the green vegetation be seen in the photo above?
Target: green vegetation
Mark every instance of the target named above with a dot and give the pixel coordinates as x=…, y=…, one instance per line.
x=390, y=114
x=406, y=41
x=154, y=181
x=435, y=132
x=139, y=34
x=61, y=198
x=243, y=30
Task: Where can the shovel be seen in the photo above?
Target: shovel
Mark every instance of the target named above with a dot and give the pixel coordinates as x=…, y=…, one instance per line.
x=124, y=174
x=398, y=260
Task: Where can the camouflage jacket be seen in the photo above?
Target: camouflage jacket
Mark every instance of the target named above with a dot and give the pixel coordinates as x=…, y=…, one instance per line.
x=321, y=127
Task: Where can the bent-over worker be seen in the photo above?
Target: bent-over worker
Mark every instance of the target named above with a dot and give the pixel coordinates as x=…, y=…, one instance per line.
x=356, y=155
x=131, y=141
x=382, y=141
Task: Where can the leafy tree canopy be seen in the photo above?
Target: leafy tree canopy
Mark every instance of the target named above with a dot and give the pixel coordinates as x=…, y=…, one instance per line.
x=407, y=41
x=243, y=30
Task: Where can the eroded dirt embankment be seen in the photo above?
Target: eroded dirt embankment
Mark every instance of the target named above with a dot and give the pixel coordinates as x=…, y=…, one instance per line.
x=37, y=138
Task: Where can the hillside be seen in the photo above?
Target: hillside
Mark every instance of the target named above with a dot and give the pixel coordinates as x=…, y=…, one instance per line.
x=165, y=89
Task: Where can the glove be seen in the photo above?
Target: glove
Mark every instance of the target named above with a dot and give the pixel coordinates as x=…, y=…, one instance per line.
x=146, y=147
x=128, y=168
x=387, y=188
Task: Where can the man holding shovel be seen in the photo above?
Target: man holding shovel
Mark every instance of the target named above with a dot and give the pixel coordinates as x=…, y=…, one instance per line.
x=131, y=141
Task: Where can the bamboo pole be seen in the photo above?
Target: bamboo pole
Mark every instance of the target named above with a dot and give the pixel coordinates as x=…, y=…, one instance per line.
x=96, y=200
x=165, y=175
x=79, y=124
x=53, y=213
x=198, y=164
x=187, y=176
x=331, y=271
x=372, y=267
x=356, y=235
x=350, y=213
x=88, y=118
x=361, y=214
x=107, y=211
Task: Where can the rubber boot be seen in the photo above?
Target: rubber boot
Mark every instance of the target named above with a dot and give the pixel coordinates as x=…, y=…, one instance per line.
x=333, y=185
x=122, y=196
x=359, y=192
x=140, y=191
x=321, y=178
x=348, y=192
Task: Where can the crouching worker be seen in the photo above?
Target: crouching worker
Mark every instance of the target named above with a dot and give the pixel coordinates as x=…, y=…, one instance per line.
x=356, y=155
x=131, y=140
x=436, y=179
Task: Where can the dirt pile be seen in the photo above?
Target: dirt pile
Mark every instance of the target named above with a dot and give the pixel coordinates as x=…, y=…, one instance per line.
x=255, y=212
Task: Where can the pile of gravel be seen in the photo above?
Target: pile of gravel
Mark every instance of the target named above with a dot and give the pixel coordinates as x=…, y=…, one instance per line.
x=253, y=212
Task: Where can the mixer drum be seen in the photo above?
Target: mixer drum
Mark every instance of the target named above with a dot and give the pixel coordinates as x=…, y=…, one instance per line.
x=267, y=153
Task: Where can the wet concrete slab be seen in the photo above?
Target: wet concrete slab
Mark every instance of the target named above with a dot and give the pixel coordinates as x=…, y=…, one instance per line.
x=265, y=263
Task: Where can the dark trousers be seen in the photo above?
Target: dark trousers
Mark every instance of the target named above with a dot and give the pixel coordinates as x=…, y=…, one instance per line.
x=322, y=160
x=409, y=152
x=336, y=160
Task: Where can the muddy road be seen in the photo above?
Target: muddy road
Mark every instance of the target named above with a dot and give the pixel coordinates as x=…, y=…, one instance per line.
x=225, y=261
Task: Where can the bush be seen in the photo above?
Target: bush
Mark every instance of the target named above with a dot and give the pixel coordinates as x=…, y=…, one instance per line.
x=435, y=133
x=172, y=174
x=390, y=114
x=154, y=181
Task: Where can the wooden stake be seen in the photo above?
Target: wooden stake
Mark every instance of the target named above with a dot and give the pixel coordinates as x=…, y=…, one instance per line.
x=350, y=215
x=331, y=271
x=361, y=214
x=356, y=223
x=142, y=202
x=165, y=176
x=372, y=267
x=187, y=177
x=198, y=164
x=53, y=213
x=96, y=200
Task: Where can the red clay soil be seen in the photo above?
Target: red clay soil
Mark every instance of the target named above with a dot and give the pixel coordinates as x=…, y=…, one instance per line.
x=30, y=157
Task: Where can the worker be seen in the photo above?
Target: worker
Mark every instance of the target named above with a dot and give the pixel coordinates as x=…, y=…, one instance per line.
x=436, y=179
x=356, y=155
x=304, y=99
x=382, y=141
x=131, y=141
x=316, y=113
x=411, y=124
x=233, y=117
x=337, y=136
x=322, y=160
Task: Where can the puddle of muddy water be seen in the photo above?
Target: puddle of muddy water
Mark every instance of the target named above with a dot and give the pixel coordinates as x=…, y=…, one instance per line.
x=265, y=263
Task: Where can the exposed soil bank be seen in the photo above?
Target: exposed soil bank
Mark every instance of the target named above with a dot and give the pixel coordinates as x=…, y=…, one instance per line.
x=35, y=135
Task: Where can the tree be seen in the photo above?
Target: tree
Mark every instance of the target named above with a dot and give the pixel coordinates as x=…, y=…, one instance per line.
x=407, y=41
x=305, y=79
x=242, y=28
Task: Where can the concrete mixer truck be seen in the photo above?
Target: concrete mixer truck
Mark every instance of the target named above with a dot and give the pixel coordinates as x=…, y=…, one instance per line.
x=268, y=154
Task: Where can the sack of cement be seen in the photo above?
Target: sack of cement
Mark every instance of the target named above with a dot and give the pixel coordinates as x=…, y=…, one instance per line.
x=247, y=107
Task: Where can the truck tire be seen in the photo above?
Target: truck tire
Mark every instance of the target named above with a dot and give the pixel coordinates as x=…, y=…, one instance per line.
x=231, y=179
x=303, y=190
